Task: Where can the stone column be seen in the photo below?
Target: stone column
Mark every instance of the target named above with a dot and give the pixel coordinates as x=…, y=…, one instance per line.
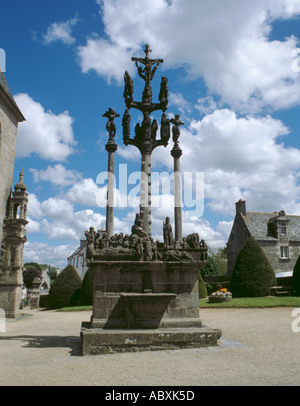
x=145, y=202
x=176, y=153
x=111, y=148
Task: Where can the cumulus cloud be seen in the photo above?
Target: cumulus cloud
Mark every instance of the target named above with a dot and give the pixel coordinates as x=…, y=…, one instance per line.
x=57, y=175
x=61, y=31
x=241, y=157
x=45, y=253
x=107, y=59
x=228, y=46
x=44, y=133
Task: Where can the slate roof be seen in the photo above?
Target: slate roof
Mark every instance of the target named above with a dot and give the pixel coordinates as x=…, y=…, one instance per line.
x=257, y=224
x=4, y=87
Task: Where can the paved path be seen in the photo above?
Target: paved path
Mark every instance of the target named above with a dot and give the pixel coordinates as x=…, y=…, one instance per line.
x=258, y=347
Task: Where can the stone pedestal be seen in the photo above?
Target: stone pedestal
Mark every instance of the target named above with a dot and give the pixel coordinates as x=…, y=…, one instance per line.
x=11, y=292
x=140, y=306
x=35, y=293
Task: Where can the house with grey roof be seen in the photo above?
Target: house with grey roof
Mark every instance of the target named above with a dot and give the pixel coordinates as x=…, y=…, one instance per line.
x=78, y=259
x=277, y=233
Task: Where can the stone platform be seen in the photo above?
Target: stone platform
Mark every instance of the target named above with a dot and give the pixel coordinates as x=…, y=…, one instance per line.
x=102, y=341
x=145, y=306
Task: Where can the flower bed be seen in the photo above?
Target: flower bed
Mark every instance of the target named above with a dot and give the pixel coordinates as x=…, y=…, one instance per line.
x=222, y=295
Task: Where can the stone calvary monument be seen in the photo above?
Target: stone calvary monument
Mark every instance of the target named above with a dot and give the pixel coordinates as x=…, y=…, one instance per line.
x=145, y=291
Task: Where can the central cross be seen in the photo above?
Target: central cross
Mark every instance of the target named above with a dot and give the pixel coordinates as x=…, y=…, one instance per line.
x=145, y=135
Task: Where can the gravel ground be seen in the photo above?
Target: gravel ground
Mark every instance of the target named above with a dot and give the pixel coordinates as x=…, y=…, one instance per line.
x=257, y=347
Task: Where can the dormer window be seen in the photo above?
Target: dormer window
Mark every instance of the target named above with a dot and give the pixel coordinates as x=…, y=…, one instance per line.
x=283, y=227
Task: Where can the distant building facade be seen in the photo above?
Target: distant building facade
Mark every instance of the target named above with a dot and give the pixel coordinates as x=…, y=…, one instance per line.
x=277, y=233
x=78, y=259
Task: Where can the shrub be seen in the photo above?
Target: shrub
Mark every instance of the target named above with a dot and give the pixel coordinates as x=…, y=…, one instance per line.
x=252, y=275
x=86, y=294
x=64, y=291
x=296, y=277
x=202, y=287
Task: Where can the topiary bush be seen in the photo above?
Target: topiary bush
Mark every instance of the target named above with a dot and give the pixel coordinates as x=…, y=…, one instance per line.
x=65, y=289
x=202, y=287
x=296, y=277
x=87, y=288
x=253, y=274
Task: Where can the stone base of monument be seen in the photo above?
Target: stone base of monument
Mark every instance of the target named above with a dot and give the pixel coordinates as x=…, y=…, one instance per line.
x=101, y=341
x=140, y=306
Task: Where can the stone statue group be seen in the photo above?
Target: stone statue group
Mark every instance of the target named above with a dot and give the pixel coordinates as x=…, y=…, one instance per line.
x=142, y=247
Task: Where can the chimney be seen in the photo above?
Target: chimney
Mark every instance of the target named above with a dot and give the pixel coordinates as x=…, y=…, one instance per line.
x=241, y=207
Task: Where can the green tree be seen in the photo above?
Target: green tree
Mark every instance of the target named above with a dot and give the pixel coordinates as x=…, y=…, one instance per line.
x=29, y=275
x=296, y=277
x=33, y=265
x=65, y=289
x=216, y=262
x=252, y=275
x=211, y=268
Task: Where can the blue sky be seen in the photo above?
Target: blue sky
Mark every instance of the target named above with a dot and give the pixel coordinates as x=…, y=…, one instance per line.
x=233, y=77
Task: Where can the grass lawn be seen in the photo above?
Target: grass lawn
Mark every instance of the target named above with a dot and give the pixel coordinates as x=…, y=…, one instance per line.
x=75, y=309
x=248, y=302
x=244, y=302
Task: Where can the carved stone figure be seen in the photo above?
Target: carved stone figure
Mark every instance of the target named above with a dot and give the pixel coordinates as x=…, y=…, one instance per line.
x=164, y=90
x=138, y=132
x=167, y=233
x=176, y=130
x=154, y=128
x=128, y=89
x=176, y=255
x=184, y=243
x=90, y=248
x=126, y=125
x=147, y=73
x=110, y=126
x=138, y=224
x=165, y=128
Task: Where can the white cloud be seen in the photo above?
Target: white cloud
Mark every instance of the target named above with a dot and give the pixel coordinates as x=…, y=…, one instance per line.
x=228, y=46
x=44, y=133
x=57, y=175
x=241, y=157
x=33, y=226
x=61, y=31
x=34, y=207
x=108, y=60
x=44, y=253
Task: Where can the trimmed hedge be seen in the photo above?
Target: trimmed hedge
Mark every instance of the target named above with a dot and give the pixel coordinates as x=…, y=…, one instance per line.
x=202, y=287
x=86, y=294
x=296, y=277
x=253, y=274
x=65, y=290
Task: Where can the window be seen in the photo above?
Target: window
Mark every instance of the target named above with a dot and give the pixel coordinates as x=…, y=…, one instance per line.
x=283, y=229
x=284, y=252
